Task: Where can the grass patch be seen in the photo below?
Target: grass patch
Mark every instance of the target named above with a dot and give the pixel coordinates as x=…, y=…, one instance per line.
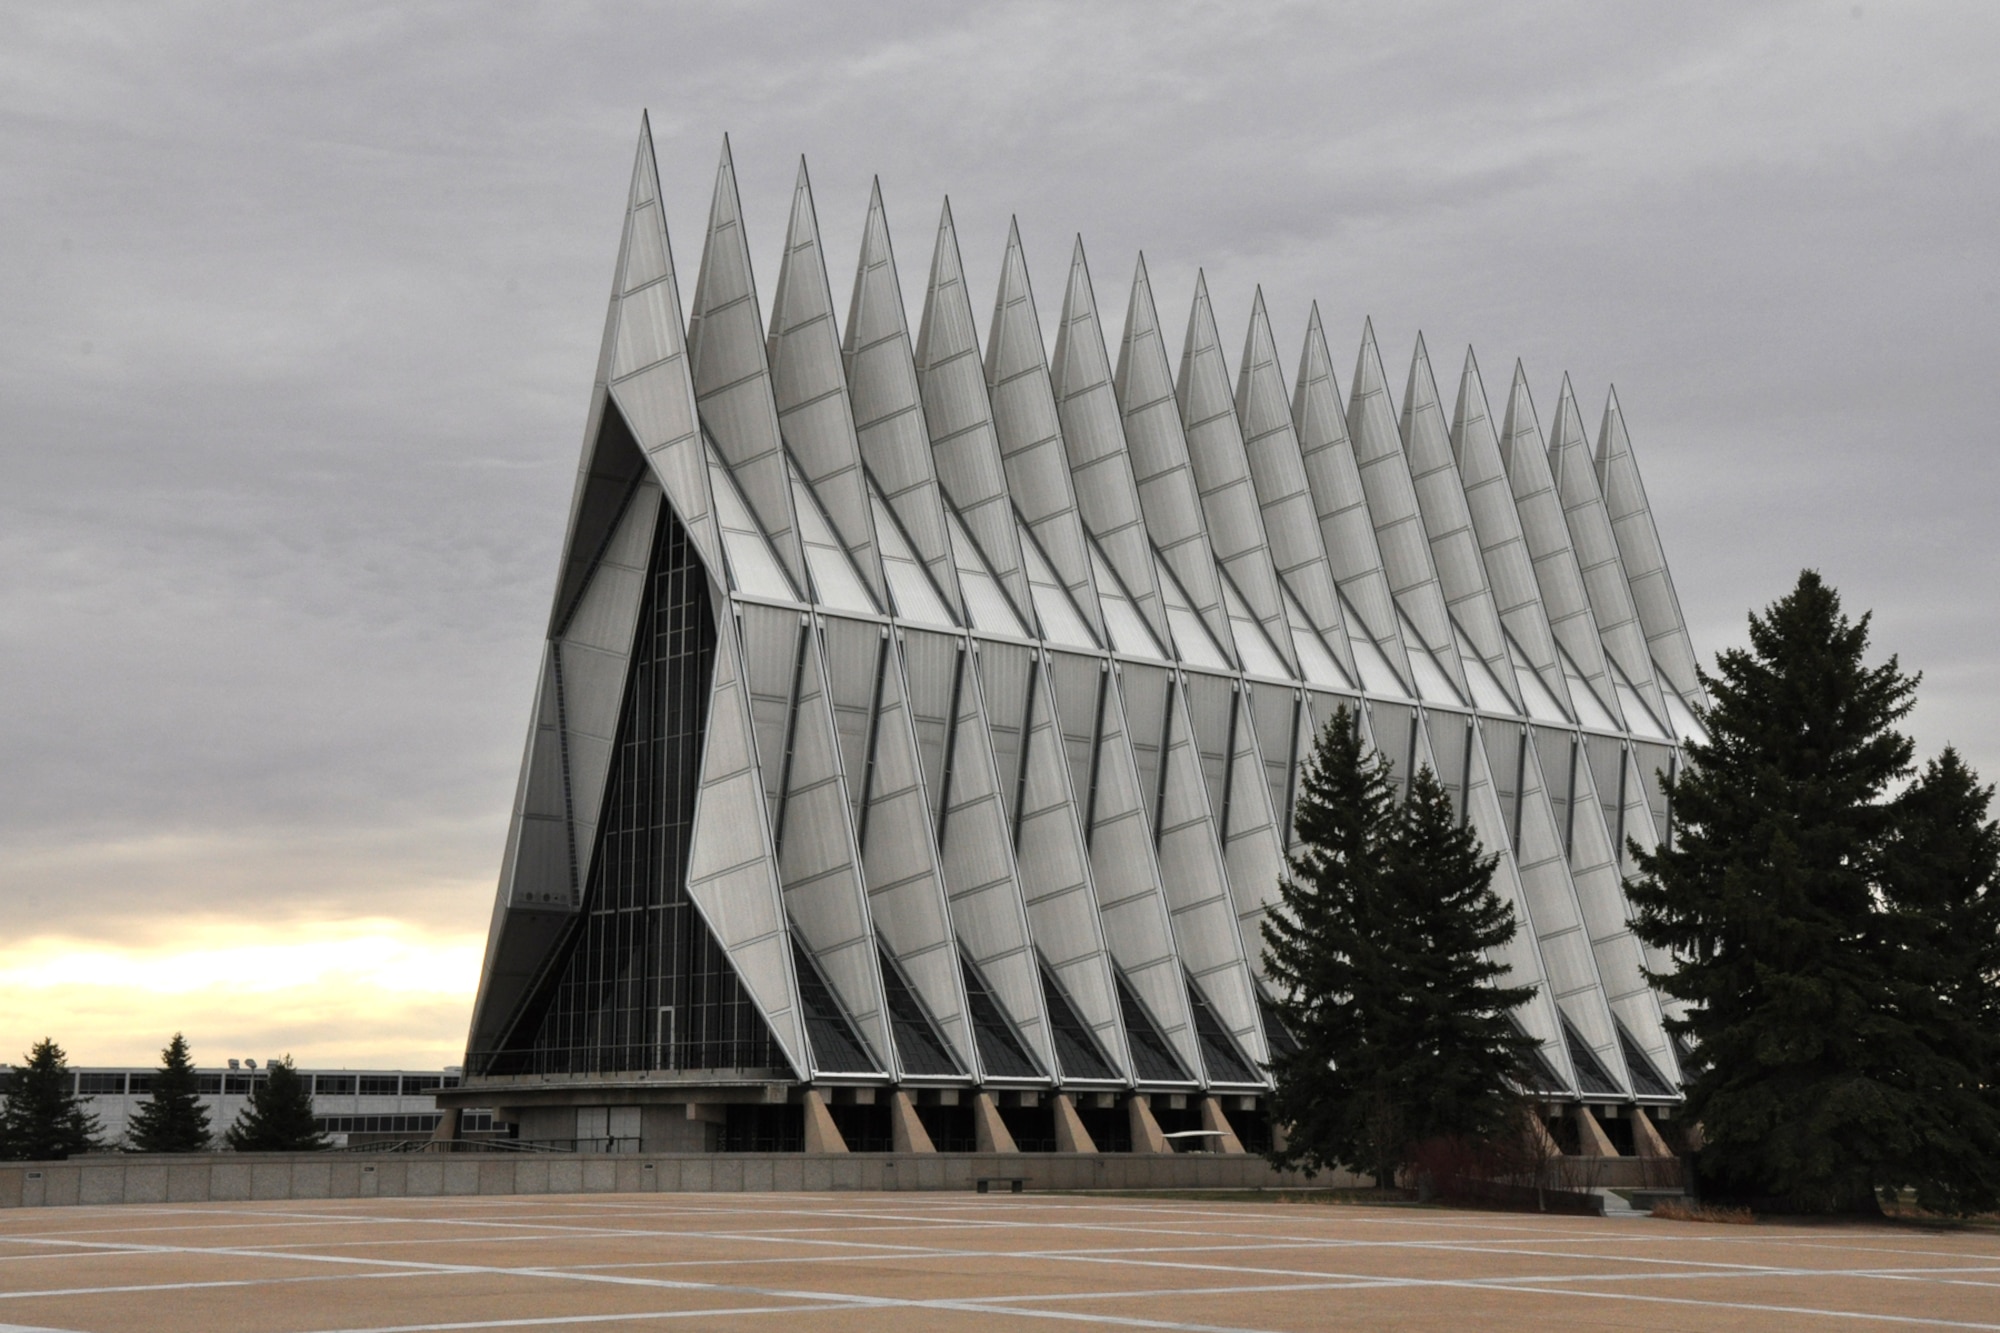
x=1681, y=1210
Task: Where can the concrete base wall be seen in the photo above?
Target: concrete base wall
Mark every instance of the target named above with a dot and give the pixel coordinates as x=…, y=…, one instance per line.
x=220, y=1177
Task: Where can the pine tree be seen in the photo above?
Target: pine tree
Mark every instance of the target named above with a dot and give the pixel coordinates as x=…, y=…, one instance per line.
x=1941, y=888
x=1767, y=900
x=45, y=1120
x=279, y=1116
x=1381, y=952
x=174, y=1120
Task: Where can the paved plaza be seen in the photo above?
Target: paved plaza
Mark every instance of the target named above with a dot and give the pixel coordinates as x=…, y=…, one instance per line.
x=956, y=1261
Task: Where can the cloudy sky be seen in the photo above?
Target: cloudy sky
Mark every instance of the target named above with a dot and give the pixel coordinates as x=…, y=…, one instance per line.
x=299, y=307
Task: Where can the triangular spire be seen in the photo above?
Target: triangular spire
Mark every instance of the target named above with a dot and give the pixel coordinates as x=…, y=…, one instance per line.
x=1557, y=574
x=1510, y=569
x=1339, y=500
x=1222, y=476
x=888, y=407
x=1153, y=434
x=1107, y=495
x=960, y=418
x=732, y=380
x=1448, y=523
x=809, y=386
x=1597, y=555
x=1392, y=503
x=1645, y=559
x=1277, y=470
x=1030, y=433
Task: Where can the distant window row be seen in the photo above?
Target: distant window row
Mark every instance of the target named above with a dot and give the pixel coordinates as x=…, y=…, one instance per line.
x=377, y=1124
x=324, y=1085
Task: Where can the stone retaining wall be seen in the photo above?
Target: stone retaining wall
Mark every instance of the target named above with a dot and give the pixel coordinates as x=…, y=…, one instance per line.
x=218, y=1177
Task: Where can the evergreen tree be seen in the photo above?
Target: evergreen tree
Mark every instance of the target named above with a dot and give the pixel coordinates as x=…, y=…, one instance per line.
x=45, y=1120
x=1941, y=889
x=174, y=1120
x=1768, y=900
x=1381, y=952
x=279, y=1117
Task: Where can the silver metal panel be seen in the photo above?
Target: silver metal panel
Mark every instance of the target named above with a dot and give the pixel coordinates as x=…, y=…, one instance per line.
x=1567, y=957
x=1521, y=955
x=1048, y=839
x=732, y=381
x=1447, y=517
x=809, y=386
x=1392, y=504
x=975, y=848
x=898, y=850
x=1340, y=502
x=888, y=406
x=537, y=893
x=732, y=871
x=1278, y=472
x=1600, y=891
x=1222, y=475
x=1116, y=809
x=1557, y=574
x=1030, y=435
x=592, y=658
x=1596, y=548
x=1496, y=523
x=1157, y=445
x=960, y=419
x=1192, y=870
x=1645, y=559
x=1093, y=434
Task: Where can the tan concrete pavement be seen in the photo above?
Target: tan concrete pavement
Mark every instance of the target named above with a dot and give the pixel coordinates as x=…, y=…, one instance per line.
x=951, y=1262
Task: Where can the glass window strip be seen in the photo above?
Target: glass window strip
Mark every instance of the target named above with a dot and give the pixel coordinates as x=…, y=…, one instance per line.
x=1542, y=703
x=1153, y=1057
x=1196, y=646
x=1260, y=657
x=988, y=606
x=752, y=563
x=1062, y=622
x=1129, y=632
x=1321, y=667
x=836, y=582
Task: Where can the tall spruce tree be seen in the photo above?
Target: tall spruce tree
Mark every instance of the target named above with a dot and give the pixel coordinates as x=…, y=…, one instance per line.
x=1768, y=900
x=45, y=1121
x=279, y=1115
x=1941, y=890
x=1381, y=952
x=174, y=1120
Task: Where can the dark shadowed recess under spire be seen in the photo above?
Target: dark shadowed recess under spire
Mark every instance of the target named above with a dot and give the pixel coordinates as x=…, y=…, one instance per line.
x=638, y=982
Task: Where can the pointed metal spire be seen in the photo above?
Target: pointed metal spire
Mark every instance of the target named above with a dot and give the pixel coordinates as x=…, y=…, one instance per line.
x=1167, y=493
x=1448, y=522
x=1645, y=559
x=809, y=385
x=732, y=381
x=1222, y=475
x=960, y=418
x=1339, y=499
x=888, y=406
x=1277, y=471
x=1510, y=569
x=1557, y=573
x=1597, y=554
x=1030, y=433
x=1107, y=494
x=1392, y=503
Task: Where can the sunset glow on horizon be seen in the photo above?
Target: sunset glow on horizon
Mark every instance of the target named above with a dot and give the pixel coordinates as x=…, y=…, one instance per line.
x=367, y=992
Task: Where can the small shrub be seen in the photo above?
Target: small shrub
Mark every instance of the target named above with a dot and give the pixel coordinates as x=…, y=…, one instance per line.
x=1679, y=1210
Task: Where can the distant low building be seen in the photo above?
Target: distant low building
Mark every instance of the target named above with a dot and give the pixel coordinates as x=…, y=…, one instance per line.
x=352, y=1107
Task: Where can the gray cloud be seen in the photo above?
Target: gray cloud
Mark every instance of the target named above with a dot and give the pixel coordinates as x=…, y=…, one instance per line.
x=301, y=308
